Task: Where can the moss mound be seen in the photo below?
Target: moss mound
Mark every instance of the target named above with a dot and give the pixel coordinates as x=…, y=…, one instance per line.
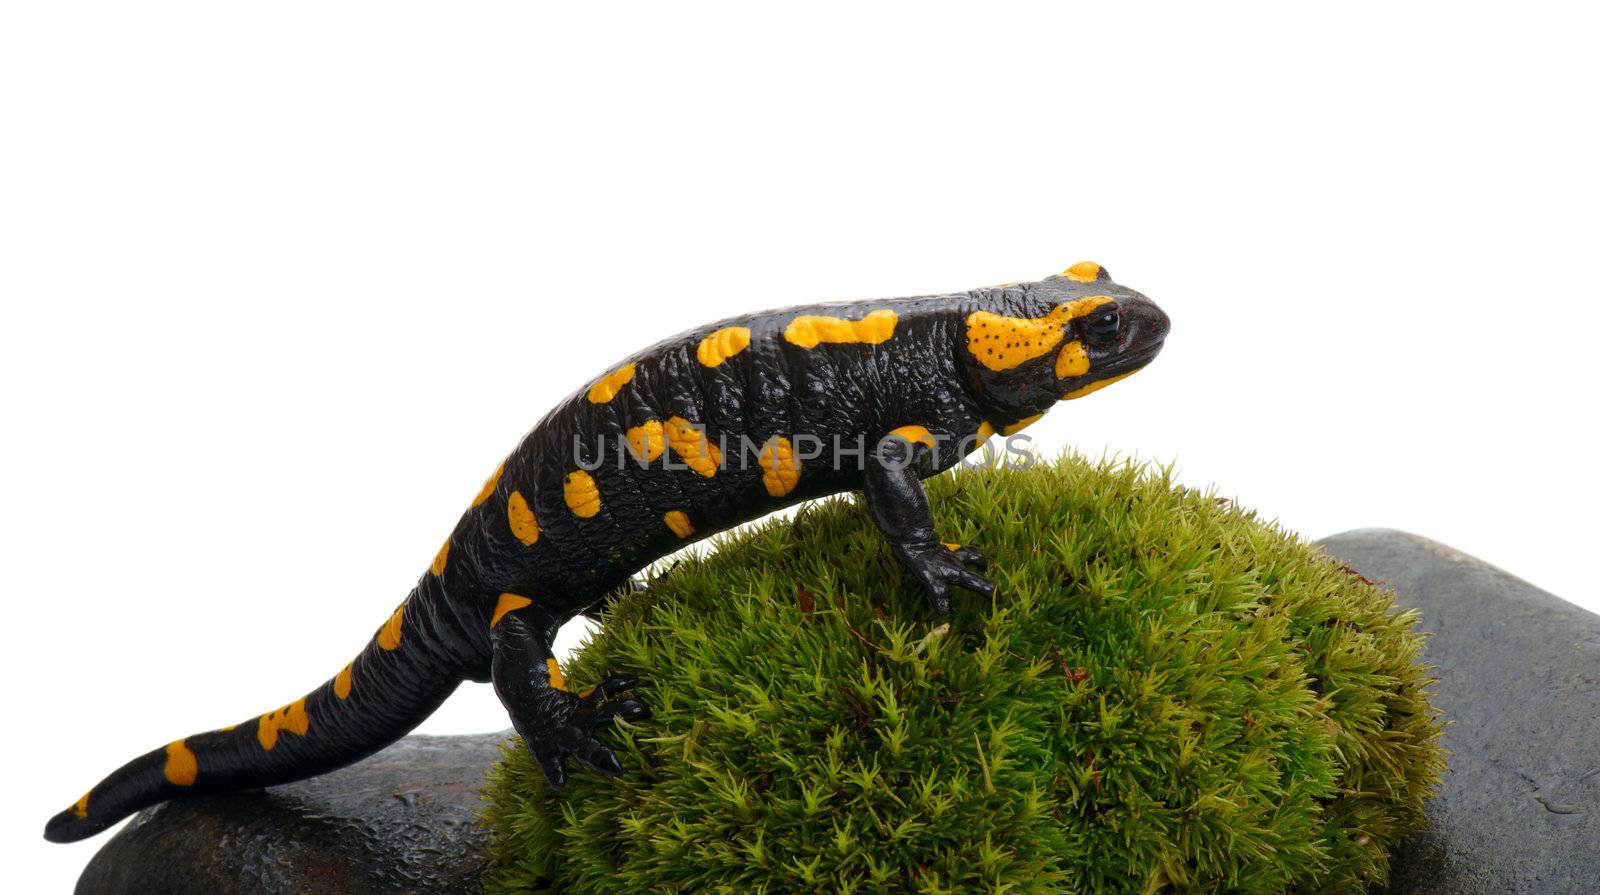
x=1166, y=695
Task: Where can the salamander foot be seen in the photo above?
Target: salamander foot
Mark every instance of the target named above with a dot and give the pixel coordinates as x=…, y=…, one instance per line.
x=571, y=728
x=937, y=566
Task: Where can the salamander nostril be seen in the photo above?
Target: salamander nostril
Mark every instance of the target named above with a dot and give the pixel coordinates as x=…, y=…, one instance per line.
x=1159, y=323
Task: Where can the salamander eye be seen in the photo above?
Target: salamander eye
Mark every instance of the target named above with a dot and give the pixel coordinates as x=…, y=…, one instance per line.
x=1103, y=324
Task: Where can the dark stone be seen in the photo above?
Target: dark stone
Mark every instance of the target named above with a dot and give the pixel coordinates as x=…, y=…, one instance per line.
x=402, y=821
x=1519, y=678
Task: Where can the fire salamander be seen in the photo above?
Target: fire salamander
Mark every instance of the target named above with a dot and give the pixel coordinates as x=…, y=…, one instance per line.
x=703, y=431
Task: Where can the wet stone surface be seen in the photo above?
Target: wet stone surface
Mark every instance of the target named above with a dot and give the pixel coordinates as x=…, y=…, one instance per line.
x=401, y=821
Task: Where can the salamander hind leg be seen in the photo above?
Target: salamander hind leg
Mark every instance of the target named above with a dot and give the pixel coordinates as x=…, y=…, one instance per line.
x=553, y=722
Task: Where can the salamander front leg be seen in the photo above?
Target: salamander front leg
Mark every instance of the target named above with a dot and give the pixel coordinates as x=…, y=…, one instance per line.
x=900, y=508
x=554, y=722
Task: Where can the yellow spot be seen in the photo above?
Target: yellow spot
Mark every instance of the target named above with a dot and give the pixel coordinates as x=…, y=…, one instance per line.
x=723, y=344
x=646, y=441
x=291, y=718
x=523, y=524
x=809, y=331
x=1021, y=424
x=507, y=603
x=557, y=679
x=985, y=430
x=1096, y=386
x=389, y=634
x=342, y=680
x=915, y=435
x=81, y=807
x=581, y=493
x=489, y=484
x=781, y=469
x=610, y=384
x=692, y=446
x=1072, y=361
x=1083, y=272
x=1001, y=343
x=181, y=769
x=951, y=545
x=441, y=558
x=678, y=521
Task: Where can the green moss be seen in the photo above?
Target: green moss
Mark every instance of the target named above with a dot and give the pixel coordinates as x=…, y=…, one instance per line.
x=1165, y=695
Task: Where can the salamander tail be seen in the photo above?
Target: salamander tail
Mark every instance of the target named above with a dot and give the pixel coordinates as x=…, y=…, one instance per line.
x=401, y=676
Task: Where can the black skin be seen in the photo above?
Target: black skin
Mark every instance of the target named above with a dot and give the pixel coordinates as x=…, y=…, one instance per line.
x=850, y=396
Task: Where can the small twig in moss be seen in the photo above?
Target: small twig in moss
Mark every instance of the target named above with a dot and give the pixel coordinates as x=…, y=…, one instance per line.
x=928, y=639
x=1350, y=570
x=844, y=619
x=863, y=715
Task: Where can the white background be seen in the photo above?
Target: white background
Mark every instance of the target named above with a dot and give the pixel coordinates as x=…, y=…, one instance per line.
x=282, y=284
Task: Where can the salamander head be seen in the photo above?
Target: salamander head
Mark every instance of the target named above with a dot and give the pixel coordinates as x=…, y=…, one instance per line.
x=1060, y=338
x=1119, y=332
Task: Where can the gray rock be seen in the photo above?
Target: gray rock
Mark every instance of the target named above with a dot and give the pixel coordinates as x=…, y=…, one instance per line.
x=402, y=821
x=1519, y=678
